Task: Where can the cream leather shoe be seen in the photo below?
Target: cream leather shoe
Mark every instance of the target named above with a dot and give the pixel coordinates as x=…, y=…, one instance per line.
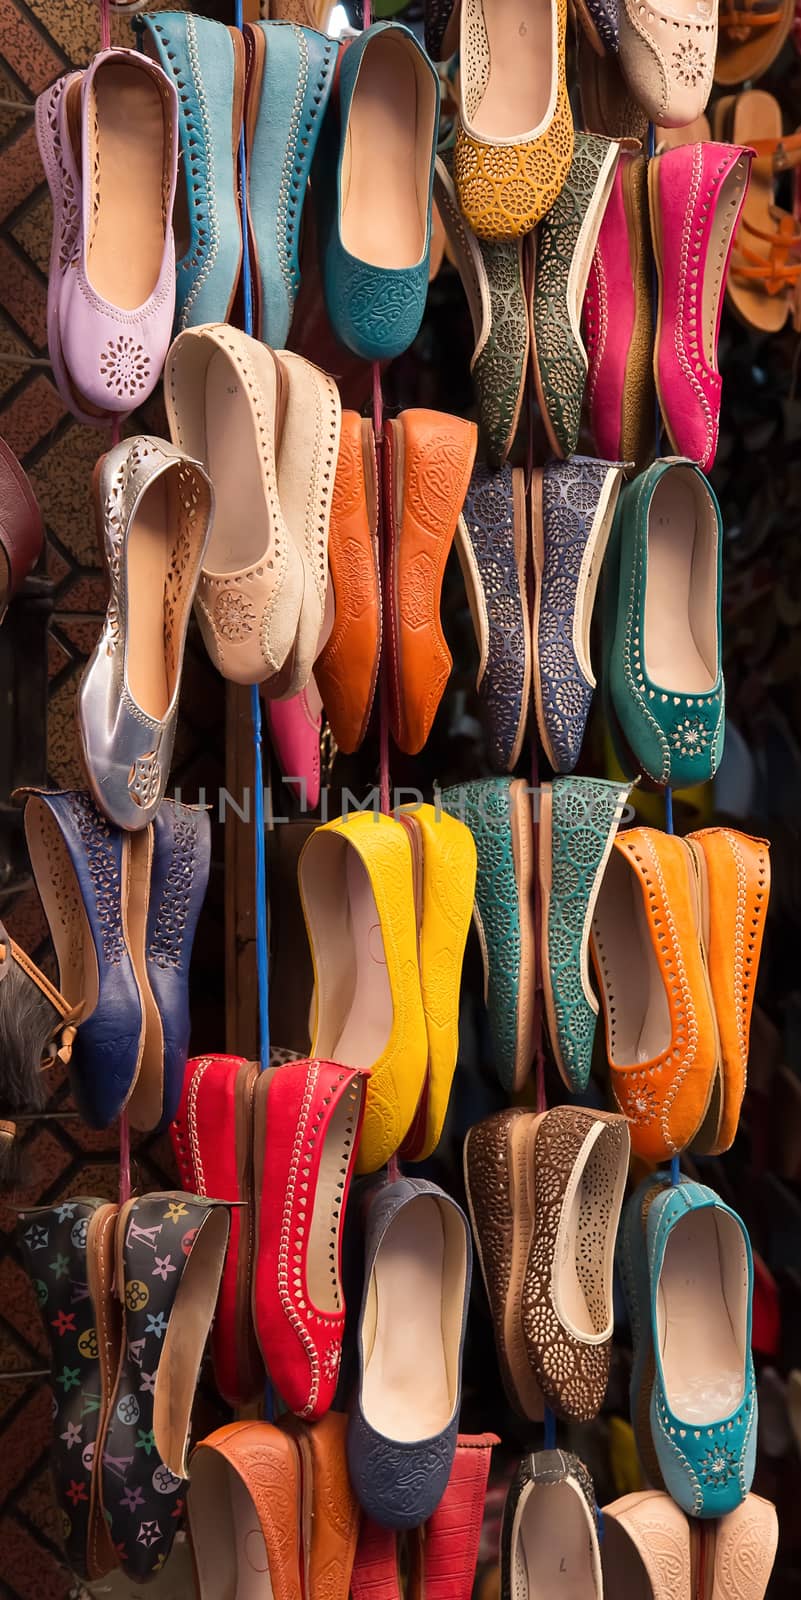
x=667, y=52
x=646, y=1548
x=225, y=394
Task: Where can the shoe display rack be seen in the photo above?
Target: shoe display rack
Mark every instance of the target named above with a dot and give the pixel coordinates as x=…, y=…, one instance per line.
x=426, y=385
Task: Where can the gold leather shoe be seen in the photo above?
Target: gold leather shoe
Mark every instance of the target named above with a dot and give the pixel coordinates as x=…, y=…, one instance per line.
x=357, y=890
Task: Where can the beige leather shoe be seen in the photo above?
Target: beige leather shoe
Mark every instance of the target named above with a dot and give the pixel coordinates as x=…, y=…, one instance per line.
x=667, y=52
x=745, y=1550
x=646, y=1548
x=225, y=398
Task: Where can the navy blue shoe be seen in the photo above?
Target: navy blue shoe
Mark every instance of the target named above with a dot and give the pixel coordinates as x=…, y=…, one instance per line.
x=402, y=1433
x=178, y=881
x=81, y=864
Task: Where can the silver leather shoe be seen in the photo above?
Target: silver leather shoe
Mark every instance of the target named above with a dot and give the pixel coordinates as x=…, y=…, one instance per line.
x=154, y=509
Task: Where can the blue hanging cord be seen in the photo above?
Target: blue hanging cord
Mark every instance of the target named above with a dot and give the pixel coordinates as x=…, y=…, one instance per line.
x=675, y=1171
x=669, y=811
x=549, y=1419
x=262, y=966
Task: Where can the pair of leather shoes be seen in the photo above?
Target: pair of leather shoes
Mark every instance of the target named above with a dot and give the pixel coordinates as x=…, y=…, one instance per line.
x=280, y=1146
x=428, y=458
x=127, y=1295
x=122, y=909
x=275, y=1501
x=443, y=1552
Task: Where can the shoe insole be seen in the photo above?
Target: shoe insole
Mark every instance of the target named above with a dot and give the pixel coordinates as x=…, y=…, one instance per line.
x=253, y=1581
x=757, y=115
x=552, y=1557
x=405, y=1391
x=150, y=544
x=585, y=1242
x=624, y=1573
x=126, y=240
x=61, y=898
x=636, y=998
x=680, y=595
x=725, y=209
x=384, y=209
x=369, y=1022
x=701, y=1317
x=322, y=1262
x=520, y=35
x=240, y=535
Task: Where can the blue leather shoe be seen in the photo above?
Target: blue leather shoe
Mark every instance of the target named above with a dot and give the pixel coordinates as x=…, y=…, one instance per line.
x=206, y=62
x=178, y=882
x=374, y=186
x=402, y=1433
x=289, y=75
x=81, y=866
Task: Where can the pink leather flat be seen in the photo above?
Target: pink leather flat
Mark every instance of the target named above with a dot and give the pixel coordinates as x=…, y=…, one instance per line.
x=617, y=322
x=696, y=194
x=108, y=139
x=295, y=726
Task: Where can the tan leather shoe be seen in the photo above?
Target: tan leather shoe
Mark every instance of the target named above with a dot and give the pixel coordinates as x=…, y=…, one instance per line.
x=745, y=1550
x=646, y=1548
x=330, y=1510
x=244, y=1506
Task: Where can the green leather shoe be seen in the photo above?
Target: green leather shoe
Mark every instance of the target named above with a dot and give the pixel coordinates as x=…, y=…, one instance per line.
x=498, y=813
x=579, y=818
x=492, y=278
x=566, y=240
x=662, y=625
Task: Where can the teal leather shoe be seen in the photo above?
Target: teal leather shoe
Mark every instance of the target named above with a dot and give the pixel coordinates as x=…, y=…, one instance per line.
x=373, y=186
x=703, y=1403
x=289, y=75
x=578, y=821
x=498, y=813
x=206, y=62
x=662, y=634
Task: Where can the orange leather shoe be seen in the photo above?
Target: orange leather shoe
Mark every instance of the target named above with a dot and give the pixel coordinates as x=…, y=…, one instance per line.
x=661, y=1033
x=734, y=878
x=330, y=1517
x=429, y=459
x=244, y=1505
x=347, y=667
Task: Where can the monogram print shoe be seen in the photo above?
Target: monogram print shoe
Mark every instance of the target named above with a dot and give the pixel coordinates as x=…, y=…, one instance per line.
x=163, y=1242
x=153, y=509
x=68, y=1252
x=307, y=1124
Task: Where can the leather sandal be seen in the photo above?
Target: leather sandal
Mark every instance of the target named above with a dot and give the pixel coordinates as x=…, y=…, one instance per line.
x=764, y=281
x=751, y=34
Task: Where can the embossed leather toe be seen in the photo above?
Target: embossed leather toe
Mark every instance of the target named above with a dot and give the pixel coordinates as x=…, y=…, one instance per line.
x=429, y=457
x=153, y=508
x=402, y=1432
x=646, y=1547
x=244, y=1505
x=346, y=669
x=331, y=1514
x=491, y=544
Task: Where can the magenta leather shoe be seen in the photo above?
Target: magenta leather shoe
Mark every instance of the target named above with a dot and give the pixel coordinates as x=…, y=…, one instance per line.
x=108, y=139
x=295, y=727
x=617, y=322
x=696, y=194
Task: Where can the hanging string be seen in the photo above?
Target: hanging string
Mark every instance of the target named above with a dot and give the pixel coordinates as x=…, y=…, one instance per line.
x=105, y=24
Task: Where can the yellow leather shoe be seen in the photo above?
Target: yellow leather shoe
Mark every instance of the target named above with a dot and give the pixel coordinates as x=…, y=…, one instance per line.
x=444, y=858
x=514, y=141
x=357, y=890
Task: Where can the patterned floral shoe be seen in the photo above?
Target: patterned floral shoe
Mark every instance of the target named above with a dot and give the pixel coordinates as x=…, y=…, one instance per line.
x=579, y=818
x=572, y=508
x=514, y=139
x=491, y=545
x=550, y=1526
x=498, y=813
x=163, y=1242
x=703, y=1404
x=564, y=251
x=492, y=278
x=68, y=1253
x=579, y=1168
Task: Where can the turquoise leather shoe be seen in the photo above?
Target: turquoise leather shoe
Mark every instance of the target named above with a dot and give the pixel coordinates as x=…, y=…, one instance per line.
x=498, y=813
x=578, y=821
x=206, y=62
x=373, y=186
x=703, y=1403
x=289, y=75
x=662, y=634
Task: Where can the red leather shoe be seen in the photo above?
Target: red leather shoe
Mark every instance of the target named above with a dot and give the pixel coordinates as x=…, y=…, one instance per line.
x=212, y=1137
x=444, y=1553
x=376, y=1573
x=308, y=1119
